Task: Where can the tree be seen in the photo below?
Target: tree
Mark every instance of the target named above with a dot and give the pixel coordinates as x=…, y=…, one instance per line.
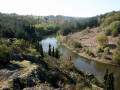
x=102, y=39
x=41, y=50
x=37, y=45
x=49, y=51
x=106, y=76
x=57, y=54
x=109, y=80
x=53, y=52
x=116, y=56
x=4, y=55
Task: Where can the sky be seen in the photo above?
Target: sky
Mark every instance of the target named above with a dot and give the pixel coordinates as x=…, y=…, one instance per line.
x=76, y=8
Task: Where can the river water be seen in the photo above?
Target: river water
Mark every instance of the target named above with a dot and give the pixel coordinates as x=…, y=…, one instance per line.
x=96, y=68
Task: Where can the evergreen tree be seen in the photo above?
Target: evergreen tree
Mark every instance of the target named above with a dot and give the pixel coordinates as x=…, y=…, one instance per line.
x=53, y=52
x=109, y=80
x=49, y=51
x=41, y=50
x=57, y=54
x=37, y=45
x=106, y=76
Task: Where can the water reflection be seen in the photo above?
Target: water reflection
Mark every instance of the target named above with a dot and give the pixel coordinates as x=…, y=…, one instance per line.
x=96, y=68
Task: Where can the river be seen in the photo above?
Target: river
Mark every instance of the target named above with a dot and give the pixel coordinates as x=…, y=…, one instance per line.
x=96, y=68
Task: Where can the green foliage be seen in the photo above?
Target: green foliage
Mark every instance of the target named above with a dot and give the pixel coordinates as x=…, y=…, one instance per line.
x=113, y=29
x=41, y=50
x=4, y=55
x=114, y=33
x=109, y=80
x=53, y=52
x=108, y=18
x=32, y=51
x=77, y=44
x=102, y=39
x=78, y=25
x=106, y=76
x=89, y=52
x=49, y=50
x=115, y=25
x=107, y=31
x=107, y=50
x=116, y=56
x=46, y=29
x=101, y=49
x=18, y=46
x=118, y=45
x=87, y=30
x=14, y=26
x=57, y=54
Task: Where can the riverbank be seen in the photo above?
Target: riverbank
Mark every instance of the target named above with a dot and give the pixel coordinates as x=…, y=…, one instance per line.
x=85, y=55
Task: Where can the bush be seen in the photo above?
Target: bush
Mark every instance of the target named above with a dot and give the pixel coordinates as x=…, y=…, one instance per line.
x=102, y=39
x=107, y=50
x=107, y=31
x=77, y=44
x=116, y=56
x=115, y=25
x=101, y=49
x=32, y=51
x=4, y=54
x=89, y=52
x=114, y=32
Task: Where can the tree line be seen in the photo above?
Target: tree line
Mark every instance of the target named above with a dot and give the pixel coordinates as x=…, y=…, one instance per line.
x=82, y=23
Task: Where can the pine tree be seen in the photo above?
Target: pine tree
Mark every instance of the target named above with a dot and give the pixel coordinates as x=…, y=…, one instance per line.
x=110, y=83
x=106, y=76
x=57, y=54
x=53, y=52
x=49, y=51
x=37, y=45
x=41, y=50
x=109, y=80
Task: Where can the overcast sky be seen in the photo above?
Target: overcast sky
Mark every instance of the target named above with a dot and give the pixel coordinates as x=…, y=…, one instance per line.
x=79, y=8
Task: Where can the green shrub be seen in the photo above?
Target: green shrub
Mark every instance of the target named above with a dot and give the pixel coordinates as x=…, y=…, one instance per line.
x=107, y=31
x=114, y=32
x=77, y=44
x=116, y=56
x=32, y=51
x=115, y=25
x=102, y=39
x=4, y=54
x=107, y=50
x=118, y=45
x=101, y=49
x=89, y=52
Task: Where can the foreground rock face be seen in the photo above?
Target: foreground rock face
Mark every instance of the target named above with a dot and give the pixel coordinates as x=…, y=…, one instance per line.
x=44, y=74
